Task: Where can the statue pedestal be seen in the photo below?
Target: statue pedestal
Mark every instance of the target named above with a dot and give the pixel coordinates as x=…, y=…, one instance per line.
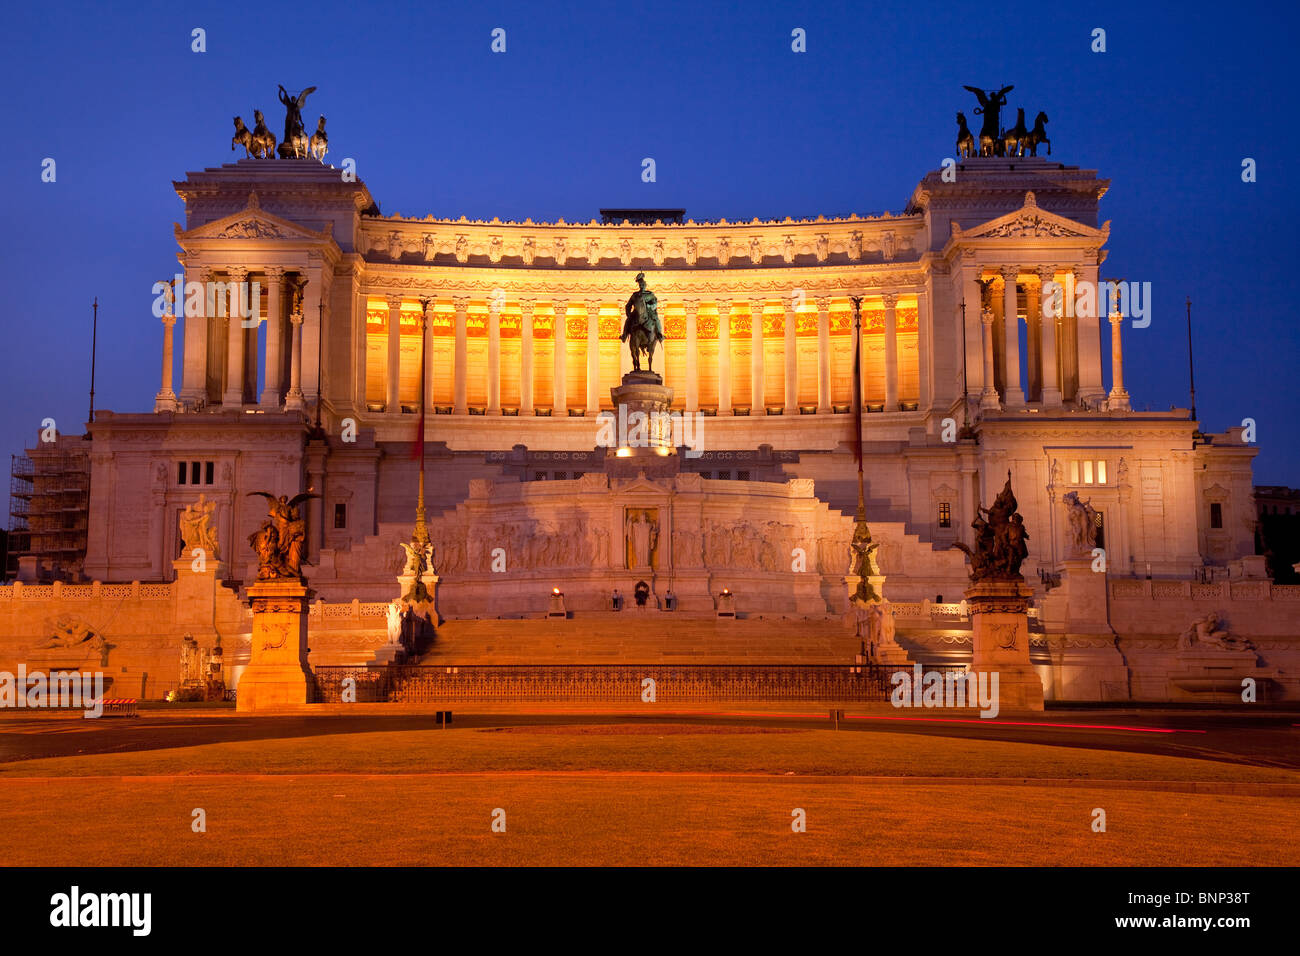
x=196, y=598
x=643, y=438
x=1078, y=606
x=277, y=671
x=1000, y=634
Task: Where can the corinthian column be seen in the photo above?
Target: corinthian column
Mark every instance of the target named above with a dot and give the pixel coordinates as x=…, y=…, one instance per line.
x=394, y=354
x=165, y=400
x=1118, y=397
x=462, y=355
x=234, y=393
x=274, y=335
x=823, y=355
x=560, y=339
x=757, y=397
x=989, y=396
x=1051, y=321
x=692, y=307
x=791, y=359
x=891, y=351
x=194, y=370
x=294, y=401
x=525, y=356
x=724, y=358
x=1015, y=395
x=494, y=360
x=593, y=357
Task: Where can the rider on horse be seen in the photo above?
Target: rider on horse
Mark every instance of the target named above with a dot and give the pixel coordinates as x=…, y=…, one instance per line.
x=642, y=324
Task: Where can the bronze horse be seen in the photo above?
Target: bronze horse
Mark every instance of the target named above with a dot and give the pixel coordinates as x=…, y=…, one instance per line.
x=965, y=138
x=1038, y=135
x=641, y=327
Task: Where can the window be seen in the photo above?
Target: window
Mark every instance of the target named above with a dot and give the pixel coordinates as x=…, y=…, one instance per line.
x=1088, y=472
x=561, y=476
x=1216, y=514
x=539, y=476
x=208, y=468
x=724, y=475
x=1099, y=522
x=194, y=473
x=340, y=515
x=945, y=515
x=742, y=475
x=180, y=473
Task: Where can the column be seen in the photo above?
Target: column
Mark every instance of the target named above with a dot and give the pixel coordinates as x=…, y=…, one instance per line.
x=1088, y=343
x=293, y=400
x=494, y=360
x=394, y=405
x=1051, y=323
x=274, y=333
x=1015, y=395
x=560, y=392
x=315, y=300
x=692, y=307
x=234, y=393
x=525, y=356
x=724, y=358
x=757, y=400
x=593, y=357
x=194, y=372
x=426, y=354
x=989, y=395
x=924, y=349
x=791, y=359
x=1118, y=393
x=972, y=334
x=891, y=351
x=1067, y=339
x=461, y=304
x=1034, y=338
x=823, y=355
x=359, y=333
x=165, y=401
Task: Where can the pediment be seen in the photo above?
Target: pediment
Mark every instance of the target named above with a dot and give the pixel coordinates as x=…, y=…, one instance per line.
x=252, y=222
x=1032, y=222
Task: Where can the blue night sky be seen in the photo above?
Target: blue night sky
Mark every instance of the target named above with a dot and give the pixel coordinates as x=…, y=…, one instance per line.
x=738, y=124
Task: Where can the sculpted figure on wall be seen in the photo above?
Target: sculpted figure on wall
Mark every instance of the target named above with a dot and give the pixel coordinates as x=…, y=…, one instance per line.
x=1081, y=524
x=1000, y=540
x=1209, y=633
x=642, y=537
x=196, y=528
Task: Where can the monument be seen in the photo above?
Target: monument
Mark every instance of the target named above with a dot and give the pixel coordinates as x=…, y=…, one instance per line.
x=998, y=599
x=277, y=672
x=642, y=402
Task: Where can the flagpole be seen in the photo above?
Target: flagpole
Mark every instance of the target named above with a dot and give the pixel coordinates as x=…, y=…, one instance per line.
x=421, y=535
x=857, y=401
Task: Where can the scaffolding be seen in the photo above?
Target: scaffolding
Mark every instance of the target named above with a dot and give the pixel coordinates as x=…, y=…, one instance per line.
x=49, y=504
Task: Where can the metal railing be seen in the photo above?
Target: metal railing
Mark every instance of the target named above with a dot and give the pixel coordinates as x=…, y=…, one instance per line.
x=622, y=683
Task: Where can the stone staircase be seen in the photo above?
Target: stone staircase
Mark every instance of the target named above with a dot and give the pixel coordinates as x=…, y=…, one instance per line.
x=644, y=637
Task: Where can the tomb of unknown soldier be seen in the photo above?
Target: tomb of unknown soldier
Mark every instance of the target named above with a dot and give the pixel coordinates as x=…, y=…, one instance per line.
x=464, y=460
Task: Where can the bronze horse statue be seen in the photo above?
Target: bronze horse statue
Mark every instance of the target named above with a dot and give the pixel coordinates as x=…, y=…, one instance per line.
x=242, y=137
x=641, y=325
x=1038, y=135
x=1016, y=139
x=263, y=138
x=965, y=138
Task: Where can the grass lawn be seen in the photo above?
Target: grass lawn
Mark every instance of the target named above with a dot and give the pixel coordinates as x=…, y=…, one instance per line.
x=628, y=794
x=624, y=821
x=660, y=747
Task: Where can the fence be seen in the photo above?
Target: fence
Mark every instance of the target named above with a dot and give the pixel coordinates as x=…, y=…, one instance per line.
x=622, y=683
